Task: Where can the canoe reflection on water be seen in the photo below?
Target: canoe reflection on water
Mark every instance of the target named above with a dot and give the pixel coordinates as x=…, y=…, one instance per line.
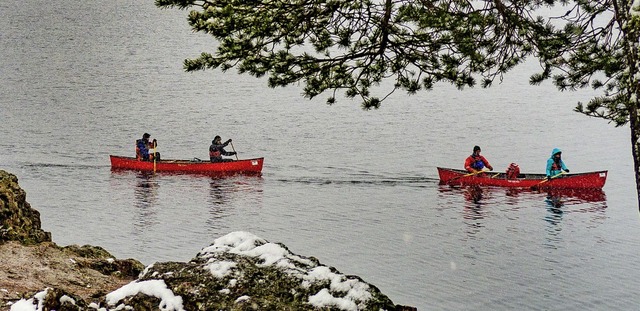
x=154, y=195
x=478, y=194
x=480, y=206
x=146, y=192
x=586, y=195
x=146, y=200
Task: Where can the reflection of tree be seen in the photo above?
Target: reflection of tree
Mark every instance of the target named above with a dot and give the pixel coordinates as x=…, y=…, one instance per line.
x=146, y=197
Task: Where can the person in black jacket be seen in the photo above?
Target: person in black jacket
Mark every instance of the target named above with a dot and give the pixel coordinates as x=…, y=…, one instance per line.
x=216, y=150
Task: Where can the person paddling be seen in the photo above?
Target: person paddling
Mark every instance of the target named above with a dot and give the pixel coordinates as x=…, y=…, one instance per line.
x=216, y=150
x=475, y=162
x=142, y=148
x=555, y=165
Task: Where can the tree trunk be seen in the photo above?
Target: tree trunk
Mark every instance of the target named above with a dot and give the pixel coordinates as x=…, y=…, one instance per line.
x=629, y=23
x=635, y=148
x=634, y=90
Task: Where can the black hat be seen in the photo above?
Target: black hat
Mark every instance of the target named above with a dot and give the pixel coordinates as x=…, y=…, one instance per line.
x=146, y=135
x=217, y=137
x=476, y=148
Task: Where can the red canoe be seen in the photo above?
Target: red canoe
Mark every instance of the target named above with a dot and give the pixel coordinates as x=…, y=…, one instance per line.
x=590, y=180
x=245, y=167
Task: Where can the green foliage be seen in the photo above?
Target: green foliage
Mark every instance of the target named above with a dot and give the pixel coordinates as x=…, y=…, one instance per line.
x=354, y=45
x=612, y=109
x=592, y=49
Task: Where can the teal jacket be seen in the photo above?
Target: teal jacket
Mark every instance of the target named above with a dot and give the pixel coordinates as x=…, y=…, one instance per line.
x=554, y=169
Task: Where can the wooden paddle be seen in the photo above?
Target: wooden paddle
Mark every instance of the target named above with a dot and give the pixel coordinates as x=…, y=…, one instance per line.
x=234, y=150
x=155, y=144
x=536, y=187
x=467, y=175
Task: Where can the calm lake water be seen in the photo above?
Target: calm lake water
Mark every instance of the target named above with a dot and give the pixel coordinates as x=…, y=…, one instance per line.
x=358, y=190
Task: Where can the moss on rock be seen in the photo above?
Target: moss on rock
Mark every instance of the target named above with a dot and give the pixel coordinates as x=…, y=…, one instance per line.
x=18, y=221
x=99, y=259
x=58, y=299
x=222, y=278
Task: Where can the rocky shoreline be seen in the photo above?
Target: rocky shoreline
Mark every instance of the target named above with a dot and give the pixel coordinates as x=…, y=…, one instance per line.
x=238, y=271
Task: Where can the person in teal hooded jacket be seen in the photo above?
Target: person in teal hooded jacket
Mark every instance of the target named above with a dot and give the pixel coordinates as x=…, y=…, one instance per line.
x=555, y=165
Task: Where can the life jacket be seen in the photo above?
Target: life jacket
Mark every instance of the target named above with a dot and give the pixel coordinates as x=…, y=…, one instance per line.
x=138, y=152
x=556, y=166
x=149, y=145
x=214, y=153
x=513, y=171
x=477, y=163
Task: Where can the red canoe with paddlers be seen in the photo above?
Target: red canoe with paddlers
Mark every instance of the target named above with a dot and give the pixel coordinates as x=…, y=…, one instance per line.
x=459, y=177
x=244, y=167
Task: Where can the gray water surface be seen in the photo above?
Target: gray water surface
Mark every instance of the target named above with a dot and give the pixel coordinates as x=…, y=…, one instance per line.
x=358, y=190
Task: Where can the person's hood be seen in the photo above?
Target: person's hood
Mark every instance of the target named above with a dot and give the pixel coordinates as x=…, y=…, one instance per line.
x=555, y=150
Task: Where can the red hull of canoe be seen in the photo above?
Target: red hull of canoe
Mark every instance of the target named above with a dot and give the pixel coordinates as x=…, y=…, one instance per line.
x=245, y=167
x=590, y=180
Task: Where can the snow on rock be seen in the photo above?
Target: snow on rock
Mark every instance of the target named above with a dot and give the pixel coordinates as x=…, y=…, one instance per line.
x=221, y=269
x=324, y=299
x=32, y=304
x=238, y=271
x=242, y=267
x=343, y=293
x=155, y=288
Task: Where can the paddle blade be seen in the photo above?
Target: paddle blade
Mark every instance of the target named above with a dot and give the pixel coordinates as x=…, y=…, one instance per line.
x=536, y=187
